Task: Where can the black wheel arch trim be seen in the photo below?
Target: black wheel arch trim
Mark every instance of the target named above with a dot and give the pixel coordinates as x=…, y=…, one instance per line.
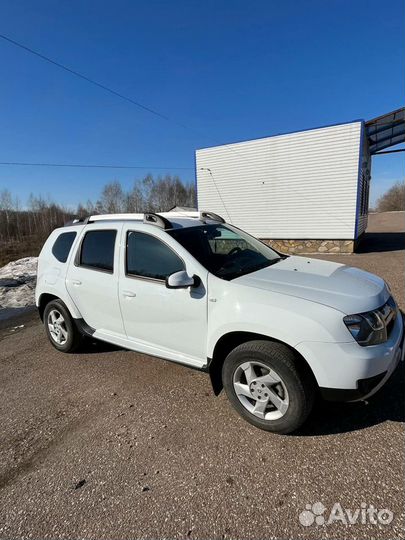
x=84, y=328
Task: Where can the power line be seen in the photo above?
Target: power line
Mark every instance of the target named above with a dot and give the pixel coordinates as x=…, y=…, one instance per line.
x=84, y=77
x=106, y=88
x=91, y=166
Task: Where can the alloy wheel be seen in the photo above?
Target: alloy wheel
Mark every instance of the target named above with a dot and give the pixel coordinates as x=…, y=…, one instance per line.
x=57, y=327
x=261, y=390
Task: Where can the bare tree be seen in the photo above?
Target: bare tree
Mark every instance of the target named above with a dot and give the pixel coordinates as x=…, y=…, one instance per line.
x=165, y=193
x=393, y=199
x=135, y=200
x=90, y=208
x=81, y=211
x=113, y=198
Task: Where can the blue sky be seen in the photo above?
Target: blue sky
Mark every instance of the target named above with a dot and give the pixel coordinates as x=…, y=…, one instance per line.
x=227, y=69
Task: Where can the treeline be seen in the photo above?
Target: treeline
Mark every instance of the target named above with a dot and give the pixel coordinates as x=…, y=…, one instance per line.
x=147, y=195
x=24, y=228
x=38, y=219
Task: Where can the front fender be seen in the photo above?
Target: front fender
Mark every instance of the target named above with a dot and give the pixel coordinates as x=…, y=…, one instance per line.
x=234, y=307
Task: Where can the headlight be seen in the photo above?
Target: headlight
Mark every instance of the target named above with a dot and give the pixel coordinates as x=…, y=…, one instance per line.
x=371, y=328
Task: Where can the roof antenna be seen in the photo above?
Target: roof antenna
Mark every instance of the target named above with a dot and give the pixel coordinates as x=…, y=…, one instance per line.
x=216, y=187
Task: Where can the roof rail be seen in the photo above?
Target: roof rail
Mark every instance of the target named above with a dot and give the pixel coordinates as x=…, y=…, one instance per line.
x=213, y=217
x=148, y=217
x=161, y=220
x=115, y=217
x=155, y=219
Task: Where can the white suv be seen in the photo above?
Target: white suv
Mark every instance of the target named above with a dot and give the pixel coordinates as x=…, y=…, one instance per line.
x=273, y=330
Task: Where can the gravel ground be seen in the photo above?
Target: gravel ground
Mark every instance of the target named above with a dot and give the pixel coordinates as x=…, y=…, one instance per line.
x=110, y=444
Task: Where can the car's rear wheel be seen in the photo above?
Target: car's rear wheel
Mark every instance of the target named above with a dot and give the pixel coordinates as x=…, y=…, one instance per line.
x=266, y=386
x=60, y=327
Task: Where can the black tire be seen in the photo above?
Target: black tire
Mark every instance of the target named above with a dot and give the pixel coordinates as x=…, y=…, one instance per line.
x=294, y=378
x=74, y=337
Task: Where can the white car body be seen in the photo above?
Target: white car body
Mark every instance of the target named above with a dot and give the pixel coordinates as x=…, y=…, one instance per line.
x=299, y=301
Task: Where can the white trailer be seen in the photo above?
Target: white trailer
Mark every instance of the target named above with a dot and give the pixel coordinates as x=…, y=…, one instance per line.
x=306, y=190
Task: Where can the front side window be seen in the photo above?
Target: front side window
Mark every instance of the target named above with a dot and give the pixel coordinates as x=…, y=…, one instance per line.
x=62, y=245
x=149, y=257
x=97, y=250
x=225, y=251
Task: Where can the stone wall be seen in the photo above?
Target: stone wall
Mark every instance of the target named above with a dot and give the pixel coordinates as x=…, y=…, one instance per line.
x=311, y=246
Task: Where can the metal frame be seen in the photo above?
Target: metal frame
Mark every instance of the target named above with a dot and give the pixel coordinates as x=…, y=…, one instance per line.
x=386, y=130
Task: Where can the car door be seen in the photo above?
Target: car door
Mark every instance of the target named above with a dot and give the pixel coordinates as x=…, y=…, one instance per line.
x=92, y=278
x=171, y=323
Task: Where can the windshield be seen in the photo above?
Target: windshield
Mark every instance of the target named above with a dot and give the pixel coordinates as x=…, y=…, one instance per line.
x=225, y=251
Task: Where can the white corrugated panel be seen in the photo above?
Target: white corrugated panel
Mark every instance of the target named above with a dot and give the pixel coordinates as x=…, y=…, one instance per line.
x=293, y=186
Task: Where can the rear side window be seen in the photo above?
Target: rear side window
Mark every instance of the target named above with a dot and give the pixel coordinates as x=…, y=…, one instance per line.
x=149, y=257
x=97, y=250
x=62, y=245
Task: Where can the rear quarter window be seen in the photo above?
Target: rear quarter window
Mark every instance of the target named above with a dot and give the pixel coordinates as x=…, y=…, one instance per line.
x=62, y=246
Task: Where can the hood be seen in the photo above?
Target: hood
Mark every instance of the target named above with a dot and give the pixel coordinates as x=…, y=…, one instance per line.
x=342, y=287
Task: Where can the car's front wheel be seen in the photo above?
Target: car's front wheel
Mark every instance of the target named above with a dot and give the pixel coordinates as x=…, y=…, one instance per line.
x=60, y=327
x=265, y=385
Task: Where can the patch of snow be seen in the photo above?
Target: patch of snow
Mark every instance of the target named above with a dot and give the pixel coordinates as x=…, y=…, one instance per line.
x=17, y=283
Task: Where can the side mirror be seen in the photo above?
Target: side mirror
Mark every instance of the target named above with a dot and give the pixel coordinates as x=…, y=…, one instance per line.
x=181, y=280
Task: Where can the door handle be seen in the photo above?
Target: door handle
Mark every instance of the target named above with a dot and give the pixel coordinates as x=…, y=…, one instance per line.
x=76, y=282
x=128, y=294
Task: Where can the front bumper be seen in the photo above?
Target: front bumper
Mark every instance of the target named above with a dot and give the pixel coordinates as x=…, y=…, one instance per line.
x=349, y=372
x=365, y=387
